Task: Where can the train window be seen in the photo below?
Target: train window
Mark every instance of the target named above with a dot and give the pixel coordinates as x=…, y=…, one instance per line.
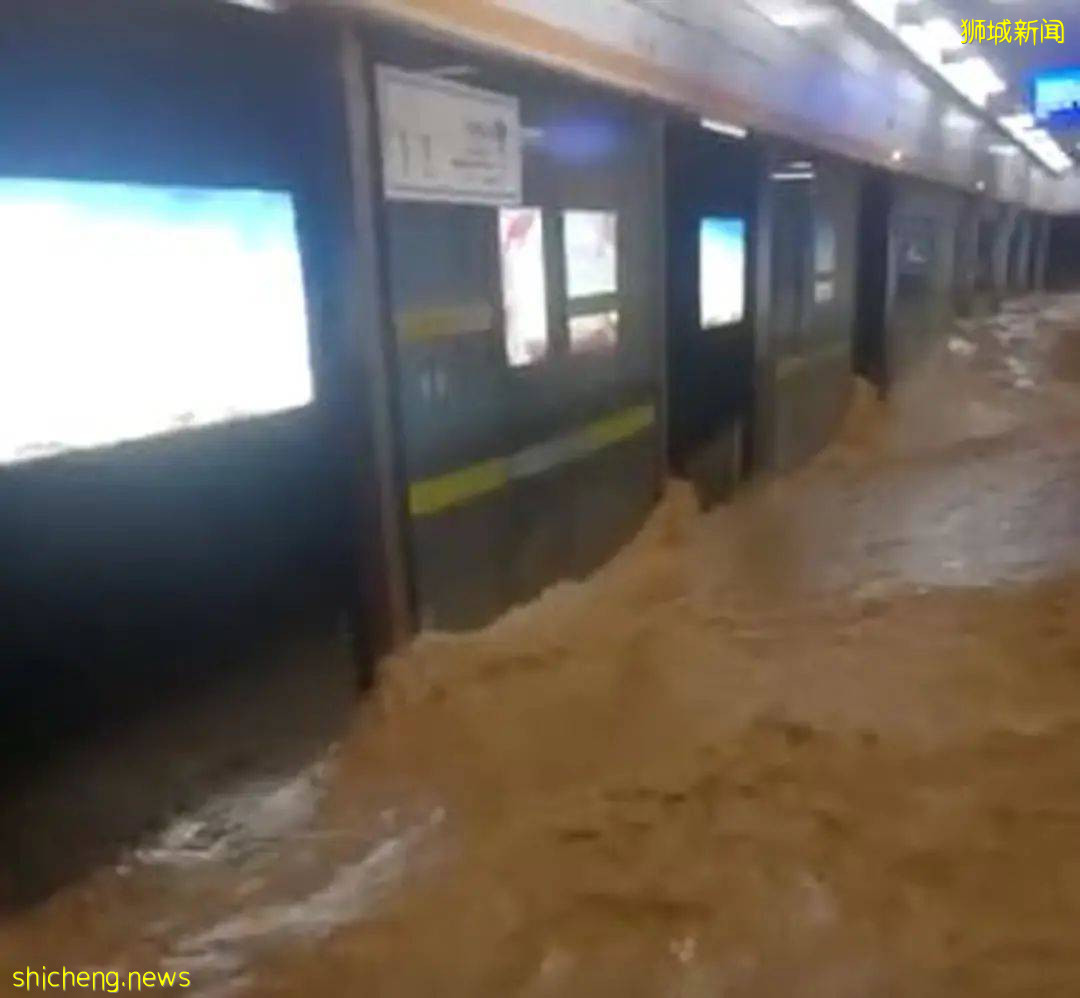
x=591, y=242
x=917, y=257
x=132, y=310
x=824, y=246
x=591, y=247
x=595, y=332
x=521, y=252
x=723, y=271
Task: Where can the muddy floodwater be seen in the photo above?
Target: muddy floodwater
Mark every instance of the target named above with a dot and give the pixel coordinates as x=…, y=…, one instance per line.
x=823, y=740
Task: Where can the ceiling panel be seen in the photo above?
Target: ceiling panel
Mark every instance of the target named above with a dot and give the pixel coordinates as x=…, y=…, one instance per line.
x=804, y=69
x=1019, y=62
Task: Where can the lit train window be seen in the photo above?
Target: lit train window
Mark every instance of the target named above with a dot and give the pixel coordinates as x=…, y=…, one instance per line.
x=592, y=279
x=594, y=332
x=723, y=271
x=824, y=246
x=130, y=310
x=521, y=252
x=591, y=253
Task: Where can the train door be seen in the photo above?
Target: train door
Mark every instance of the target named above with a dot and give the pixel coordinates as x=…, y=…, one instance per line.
x=711, y=207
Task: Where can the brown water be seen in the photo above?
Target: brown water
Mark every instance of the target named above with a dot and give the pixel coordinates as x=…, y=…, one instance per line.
x=823, y=741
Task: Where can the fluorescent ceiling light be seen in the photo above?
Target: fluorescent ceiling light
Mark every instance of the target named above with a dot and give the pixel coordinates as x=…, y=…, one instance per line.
x=724, y=128
x=803, y=175
x=931, y=40
x=1037, y=141
x=942, y=34
x=975, y=78
x=924, y=48
x=799, y=14
x=883, y=11
x=1017, y=124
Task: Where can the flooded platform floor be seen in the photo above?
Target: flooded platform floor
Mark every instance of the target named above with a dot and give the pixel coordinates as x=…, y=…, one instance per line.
x=822, y=741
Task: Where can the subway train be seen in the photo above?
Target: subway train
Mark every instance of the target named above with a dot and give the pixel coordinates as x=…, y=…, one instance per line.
x=451, y=288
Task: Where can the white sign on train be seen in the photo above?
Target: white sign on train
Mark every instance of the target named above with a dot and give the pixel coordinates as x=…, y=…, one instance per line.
x=443, y=141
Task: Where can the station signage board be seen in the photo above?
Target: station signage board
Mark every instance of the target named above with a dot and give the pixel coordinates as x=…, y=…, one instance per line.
x=444, y=141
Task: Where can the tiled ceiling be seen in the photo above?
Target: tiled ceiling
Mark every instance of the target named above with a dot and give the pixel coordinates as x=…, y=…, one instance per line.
x=1018, y=63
